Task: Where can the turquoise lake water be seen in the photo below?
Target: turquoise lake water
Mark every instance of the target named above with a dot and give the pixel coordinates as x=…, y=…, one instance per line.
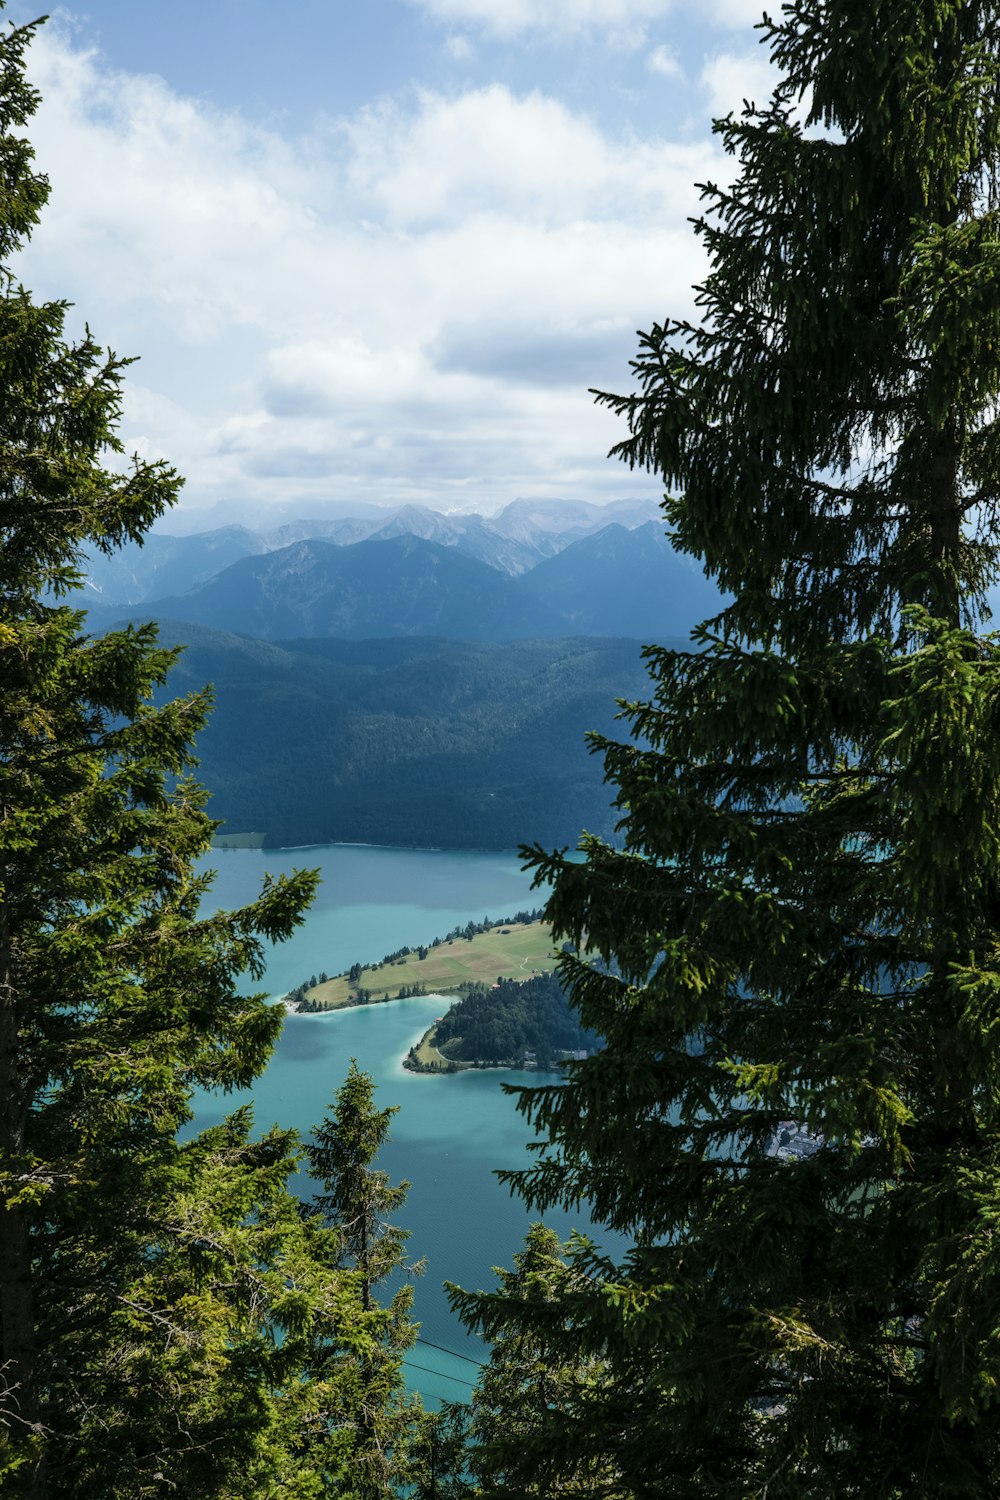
x=452, y=1132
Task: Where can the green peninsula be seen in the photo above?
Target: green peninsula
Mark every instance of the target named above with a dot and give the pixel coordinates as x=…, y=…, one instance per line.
x=478, y=953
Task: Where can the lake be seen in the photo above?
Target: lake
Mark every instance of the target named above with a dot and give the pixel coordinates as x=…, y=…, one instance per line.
x=452, y=1131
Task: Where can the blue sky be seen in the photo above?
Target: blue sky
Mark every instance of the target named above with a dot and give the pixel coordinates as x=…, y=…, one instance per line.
x=377, y=252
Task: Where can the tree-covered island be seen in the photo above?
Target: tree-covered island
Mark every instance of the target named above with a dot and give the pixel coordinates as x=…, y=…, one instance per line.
x=514, y=1023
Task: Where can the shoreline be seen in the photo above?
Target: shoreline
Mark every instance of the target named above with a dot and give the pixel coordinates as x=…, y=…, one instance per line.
x=509, y=947
x=292, y=1009
x=416, y=1068
x=361, y=844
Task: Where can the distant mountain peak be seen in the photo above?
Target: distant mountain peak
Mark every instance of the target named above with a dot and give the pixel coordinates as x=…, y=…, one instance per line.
x=514, y=541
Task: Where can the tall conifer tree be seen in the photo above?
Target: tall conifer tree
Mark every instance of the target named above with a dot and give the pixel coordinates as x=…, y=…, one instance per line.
x=802, y=925
x=153, y=1296
x=369, y=1421
x=528, y=1381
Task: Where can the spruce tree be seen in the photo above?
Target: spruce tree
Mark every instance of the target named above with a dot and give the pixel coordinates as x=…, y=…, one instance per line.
x=531, y=1382
x=184, y=1367
x=369, y=1425
x=441, y=1453
x=154, y=1295
x=799, y=929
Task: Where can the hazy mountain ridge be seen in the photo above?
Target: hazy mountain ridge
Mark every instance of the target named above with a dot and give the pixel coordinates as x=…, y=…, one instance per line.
x=399, y=586
x=623, y=581
x=615, y=582
x=513, y=541
x=163, y=565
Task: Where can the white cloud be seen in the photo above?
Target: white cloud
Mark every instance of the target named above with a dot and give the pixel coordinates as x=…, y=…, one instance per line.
x=489, y=151
x=730, y=78
x=512, y=17
x=661, y=60
x=459, y=48
x=409, y=305
x=739, y=15
x=625, y=21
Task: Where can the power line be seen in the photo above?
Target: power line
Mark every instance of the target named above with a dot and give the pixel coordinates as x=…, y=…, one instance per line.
x=479, y=1363
x=440, y=1374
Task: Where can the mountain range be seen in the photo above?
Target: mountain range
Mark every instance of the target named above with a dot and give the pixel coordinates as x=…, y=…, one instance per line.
x=521, y=535
x=410, y=677
x=612, y=582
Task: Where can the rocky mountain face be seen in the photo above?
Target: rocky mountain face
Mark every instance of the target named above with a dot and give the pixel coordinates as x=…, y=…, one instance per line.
x=617, y=581
x=514, y=541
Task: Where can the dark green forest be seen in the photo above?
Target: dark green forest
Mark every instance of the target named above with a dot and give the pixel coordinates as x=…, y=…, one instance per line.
x=517, y=1020
x=434, y=744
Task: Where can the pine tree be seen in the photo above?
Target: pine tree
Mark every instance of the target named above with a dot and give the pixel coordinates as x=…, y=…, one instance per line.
x=440, y=1455
x=369, y=1423
x=532, y=1386
x=152, y=1294
x=799, y=932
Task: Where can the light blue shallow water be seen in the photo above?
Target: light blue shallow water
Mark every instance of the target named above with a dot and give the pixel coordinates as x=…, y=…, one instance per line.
x=452, y=1132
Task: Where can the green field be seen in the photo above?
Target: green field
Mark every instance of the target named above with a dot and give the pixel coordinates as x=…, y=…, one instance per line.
x=428, y=1058
x=513, y=951
x=238, y=841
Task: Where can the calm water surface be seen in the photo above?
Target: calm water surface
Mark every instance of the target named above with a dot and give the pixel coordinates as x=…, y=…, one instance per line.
x=452, y=1132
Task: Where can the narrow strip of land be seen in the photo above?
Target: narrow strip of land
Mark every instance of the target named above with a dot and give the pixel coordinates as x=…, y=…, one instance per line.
x=425, y=1057
x=505, y=950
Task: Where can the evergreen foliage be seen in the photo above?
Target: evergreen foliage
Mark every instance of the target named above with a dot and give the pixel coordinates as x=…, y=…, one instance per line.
x=501, y=1024
x=181, y=1363
x=802, y=924
x=531, y=1384
x=370, y=1423
x=442, y=1454
x=157, y=1298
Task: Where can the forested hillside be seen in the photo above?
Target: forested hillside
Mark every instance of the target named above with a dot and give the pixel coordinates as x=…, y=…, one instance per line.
x=512, y=1023
x=426, y=743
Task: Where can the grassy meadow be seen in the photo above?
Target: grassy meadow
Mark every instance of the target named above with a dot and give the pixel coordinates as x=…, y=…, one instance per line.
x=513, y=952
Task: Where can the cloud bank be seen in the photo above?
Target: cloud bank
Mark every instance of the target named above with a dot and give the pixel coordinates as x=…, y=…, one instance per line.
x=407, y=305
x=623, y=19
